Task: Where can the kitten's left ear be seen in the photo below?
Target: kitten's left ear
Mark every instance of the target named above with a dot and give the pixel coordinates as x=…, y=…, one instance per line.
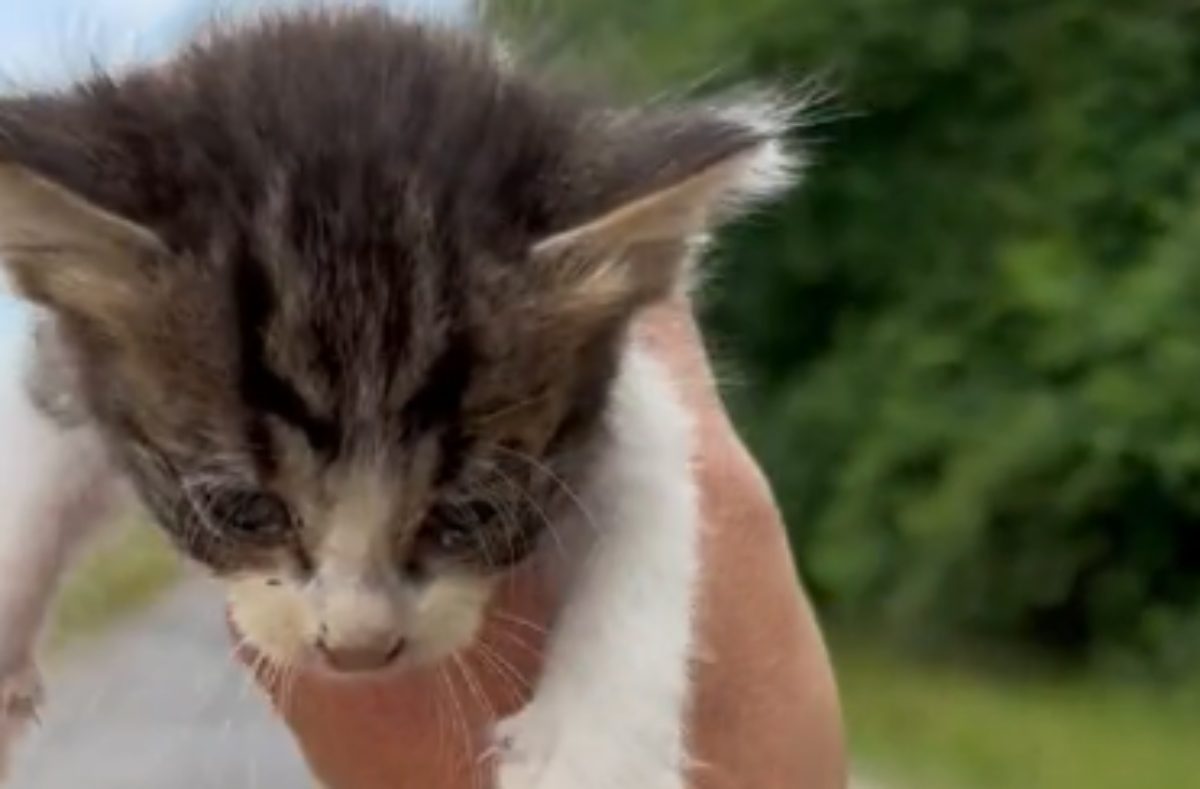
x=695, y=175
x=67, y=254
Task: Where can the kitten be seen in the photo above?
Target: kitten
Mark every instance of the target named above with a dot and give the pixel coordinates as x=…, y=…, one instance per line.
x=346, y=299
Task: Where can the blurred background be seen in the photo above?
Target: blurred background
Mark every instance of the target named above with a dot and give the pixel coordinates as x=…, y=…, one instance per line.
x=967, y=350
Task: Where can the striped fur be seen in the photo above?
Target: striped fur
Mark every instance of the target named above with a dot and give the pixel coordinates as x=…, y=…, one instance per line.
x=347, y=298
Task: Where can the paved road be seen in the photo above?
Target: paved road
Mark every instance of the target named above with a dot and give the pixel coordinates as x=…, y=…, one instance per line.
x=157, y=704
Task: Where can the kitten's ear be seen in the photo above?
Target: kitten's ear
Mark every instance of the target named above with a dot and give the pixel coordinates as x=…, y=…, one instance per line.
x=67, y=254
x=694, y=177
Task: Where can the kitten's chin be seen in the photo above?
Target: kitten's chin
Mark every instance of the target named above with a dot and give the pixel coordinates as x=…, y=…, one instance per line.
x=277, y=626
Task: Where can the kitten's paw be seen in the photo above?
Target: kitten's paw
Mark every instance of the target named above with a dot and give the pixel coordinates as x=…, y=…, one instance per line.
x=522, y=745
x=537, y=750
x=21, y=696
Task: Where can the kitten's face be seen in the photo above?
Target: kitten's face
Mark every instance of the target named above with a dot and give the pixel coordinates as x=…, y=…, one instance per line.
x=346, y=298
x=359, y=442
x=360, y=469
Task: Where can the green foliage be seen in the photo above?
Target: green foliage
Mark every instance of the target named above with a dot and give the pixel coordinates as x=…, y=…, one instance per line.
x=973, y=335
x=125, y=573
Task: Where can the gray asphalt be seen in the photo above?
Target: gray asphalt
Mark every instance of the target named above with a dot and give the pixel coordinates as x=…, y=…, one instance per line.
x=158, y=704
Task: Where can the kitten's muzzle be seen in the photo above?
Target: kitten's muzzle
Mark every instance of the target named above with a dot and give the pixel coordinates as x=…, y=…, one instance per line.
x=359, y=657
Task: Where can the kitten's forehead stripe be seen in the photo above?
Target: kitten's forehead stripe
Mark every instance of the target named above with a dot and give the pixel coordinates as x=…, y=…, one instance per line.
x=262, y=387
x=439, y=399
x=437, y=406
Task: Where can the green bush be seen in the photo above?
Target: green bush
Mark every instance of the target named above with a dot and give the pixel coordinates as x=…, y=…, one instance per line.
x=973, y=337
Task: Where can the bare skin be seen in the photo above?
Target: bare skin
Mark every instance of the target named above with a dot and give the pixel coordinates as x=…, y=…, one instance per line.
x=766, y=712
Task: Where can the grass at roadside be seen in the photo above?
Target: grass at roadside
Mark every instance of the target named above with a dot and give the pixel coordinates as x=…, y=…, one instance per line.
x=943, y=727
x=127, y=570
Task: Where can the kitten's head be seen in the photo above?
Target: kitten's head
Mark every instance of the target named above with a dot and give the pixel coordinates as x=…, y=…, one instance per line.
x=346, y=297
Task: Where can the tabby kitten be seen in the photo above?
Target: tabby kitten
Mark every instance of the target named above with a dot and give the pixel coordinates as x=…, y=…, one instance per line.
x=346, y=298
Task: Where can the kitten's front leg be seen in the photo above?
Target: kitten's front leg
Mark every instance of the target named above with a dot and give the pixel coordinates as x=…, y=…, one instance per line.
x=609, y=712
x=55, y=486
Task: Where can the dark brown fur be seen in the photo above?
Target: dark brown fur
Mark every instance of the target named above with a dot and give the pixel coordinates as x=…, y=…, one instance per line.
x=346, y=205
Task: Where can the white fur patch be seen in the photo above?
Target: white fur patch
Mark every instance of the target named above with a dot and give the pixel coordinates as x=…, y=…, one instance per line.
x=772, y=168
x=609, y=711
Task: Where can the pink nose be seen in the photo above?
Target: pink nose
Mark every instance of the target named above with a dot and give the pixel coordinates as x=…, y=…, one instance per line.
x=356, y=658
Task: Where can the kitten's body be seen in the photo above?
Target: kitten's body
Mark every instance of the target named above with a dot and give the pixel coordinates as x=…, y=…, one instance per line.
x=348, y=303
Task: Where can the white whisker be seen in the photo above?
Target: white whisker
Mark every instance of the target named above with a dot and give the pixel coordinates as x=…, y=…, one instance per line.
x=534, y=463
x=463, y=727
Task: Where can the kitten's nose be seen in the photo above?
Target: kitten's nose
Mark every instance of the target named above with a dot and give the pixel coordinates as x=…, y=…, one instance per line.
x=360, y=656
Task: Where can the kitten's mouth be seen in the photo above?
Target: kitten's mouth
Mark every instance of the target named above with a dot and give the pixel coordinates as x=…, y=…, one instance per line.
x=316, y=665
x=319, y=660
x=363, y=659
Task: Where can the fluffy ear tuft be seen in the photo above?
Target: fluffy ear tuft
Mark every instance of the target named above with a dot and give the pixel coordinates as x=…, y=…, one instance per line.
x=65, y=253
x=703, y=168
x=775, y=168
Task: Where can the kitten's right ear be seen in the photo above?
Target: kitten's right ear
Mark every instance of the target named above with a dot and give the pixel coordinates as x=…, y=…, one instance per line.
x=670, y=181
x=67, y=254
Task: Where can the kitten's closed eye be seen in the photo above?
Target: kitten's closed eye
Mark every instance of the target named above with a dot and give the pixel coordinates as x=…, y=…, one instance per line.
x=251, y=515
x=455, y=528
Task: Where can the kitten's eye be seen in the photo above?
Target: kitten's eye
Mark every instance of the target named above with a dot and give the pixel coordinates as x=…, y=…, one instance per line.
x=452, y=537
x=454, y=528
x=249, y=514
x=261, y=515
x=481, y=512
